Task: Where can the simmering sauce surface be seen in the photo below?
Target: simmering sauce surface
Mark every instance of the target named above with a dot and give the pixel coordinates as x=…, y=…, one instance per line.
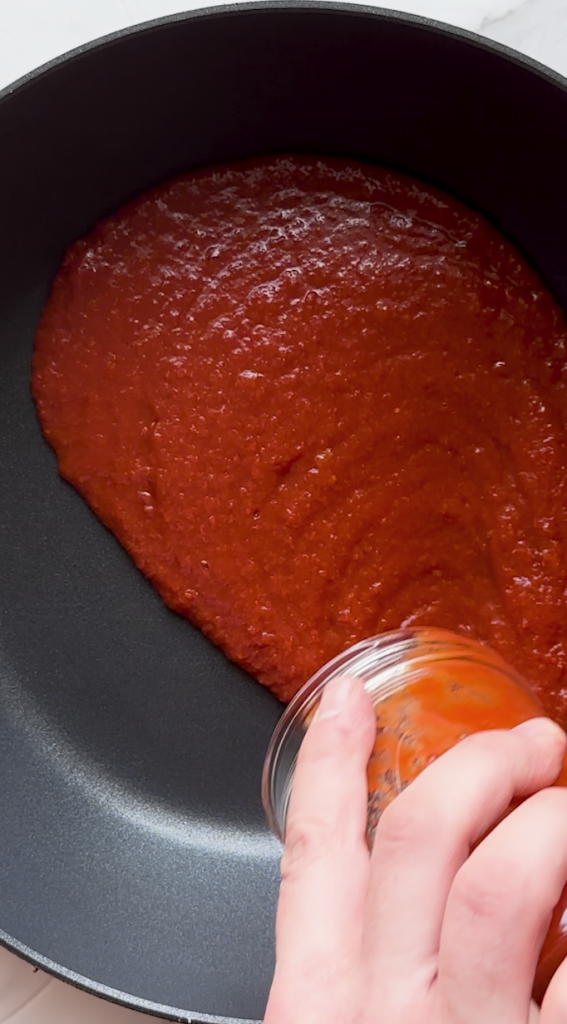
x=315, y=400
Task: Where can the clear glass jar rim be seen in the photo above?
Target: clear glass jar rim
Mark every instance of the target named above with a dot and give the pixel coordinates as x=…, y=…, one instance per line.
x=389, y=658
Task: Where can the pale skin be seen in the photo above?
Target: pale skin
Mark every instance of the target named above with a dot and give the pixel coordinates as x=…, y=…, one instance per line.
x=424, y=931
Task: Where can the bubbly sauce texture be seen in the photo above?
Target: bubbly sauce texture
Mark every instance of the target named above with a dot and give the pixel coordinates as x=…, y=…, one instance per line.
x=316, y=399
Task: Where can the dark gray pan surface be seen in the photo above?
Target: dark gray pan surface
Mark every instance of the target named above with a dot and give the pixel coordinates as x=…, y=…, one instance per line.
x=134, y=858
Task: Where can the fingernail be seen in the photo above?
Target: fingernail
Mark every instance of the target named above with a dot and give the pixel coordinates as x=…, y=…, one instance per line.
x=538, y=728
x=336, y=696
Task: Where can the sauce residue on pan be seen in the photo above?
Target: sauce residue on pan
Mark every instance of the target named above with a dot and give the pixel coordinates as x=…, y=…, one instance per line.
x=315, y=400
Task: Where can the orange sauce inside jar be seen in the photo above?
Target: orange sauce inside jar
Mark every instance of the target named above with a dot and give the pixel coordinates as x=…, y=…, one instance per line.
x=433, y=712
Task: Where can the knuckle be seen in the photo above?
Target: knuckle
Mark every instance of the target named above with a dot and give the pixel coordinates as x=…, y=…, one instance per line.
x=329, y=741
x=489, y=741
x=512, y=756
x=495, y=757
x=493, y=748
x=406, y=823
x=306, y=843
x=493, y=894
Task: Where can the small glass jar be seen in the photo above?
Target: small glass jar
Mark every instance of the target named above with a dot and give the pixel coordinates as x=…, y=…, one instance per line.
x=429, y=687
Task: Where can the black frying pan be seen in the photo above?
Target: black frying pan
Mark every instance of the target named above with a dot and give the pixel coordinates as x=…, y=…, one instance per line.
x=134, y=857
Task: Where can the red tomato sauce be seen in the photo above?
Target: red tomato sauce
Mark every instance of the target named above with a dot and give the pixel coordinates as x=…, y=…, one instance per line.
x=315, y=400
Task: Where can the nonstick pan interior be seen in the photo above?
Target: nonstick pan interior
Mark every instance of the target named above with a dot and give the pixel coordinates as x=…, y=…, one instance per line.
x=134, y=857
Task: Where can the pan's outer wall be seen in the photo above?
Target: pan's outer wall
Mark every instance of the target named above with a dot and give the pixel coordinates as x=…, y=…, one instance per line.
x=133, y=850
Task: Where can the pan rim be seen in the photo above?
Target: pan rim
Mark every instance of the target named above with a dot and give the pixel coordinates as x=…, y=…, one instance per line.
x=220, y=12
x=339, y=7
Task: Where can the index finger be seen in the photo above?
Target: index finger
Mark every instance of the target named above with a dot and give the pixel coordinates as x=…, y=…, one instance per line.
x=326, y=861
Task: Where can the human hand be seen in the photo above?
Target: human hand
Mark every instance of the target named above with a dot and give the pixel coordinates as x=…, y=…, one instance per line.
x=424, y=931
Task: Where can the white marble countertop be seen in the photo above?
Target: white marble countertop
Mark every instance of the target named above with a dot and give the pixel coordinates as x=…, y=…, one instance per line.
x=35, y=31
